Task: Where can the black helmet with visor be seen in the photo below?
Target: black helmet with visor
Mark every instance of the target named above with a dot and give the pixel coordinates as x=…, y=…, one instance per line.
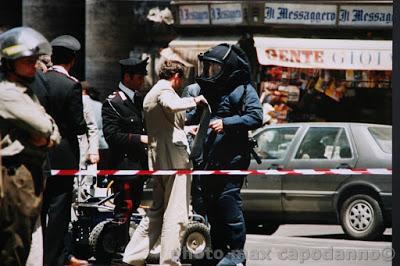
x=223, y=67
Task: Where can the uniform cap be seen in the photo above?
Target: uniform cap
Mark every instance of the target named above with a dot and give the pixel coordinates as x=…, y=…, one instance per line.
x=66, y=41
x=134, y=65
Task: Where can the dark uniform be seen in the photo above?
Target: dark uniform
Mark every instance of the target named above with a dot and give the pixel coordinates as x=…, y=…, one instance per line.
x=234, y=100
x=122, y=126
x=65, y=105
x=193, y=90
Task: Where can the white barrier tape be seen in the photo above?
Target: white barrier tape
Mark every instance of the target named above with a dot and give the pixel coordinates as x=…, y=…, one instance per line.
x=373, y=171
x=235, y=172
x=345, y=172
x=201, y=172
x=165, y=172
x=122, y=172
x=54, y=172
x=380, y=171
x=310, y=172
x=273, y=172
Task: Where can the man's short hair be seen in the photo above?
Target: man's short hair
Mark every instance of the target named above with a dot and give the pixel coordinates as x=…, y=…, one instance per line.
x=62, y=55
x=169, y=68
x=133, y=65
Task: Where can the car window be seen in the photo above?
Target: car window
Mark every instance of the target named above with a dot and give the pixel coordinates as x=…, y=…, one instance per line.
x=324, y=143
x=382, y=136
x=274, y=143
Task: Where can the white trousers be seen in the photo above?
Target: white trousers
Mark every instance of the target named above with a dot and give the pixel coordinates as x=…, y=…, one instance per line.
x=35, y=257
x=167, y=218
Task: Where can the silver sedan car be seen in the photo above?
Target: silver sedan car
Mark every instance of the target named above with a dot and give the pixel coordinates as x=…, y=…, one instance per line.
x=360, y=203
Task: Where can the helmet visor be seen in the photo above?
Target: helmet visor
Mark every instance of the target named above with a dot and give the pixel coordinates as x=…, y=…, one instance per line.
x=209, y=69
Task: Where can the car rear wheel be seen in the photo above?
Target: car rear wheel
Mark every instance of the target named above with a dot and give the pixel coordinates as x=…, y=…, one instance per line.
x=361, y=217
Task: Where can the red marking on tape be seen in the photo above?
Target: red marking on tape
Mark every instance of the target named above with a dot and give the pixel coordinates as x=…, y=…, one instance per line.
x=184, y=172
x=288, y=172
x=106, y=172
x=218, y=172
x=67, y=172
x=145, y=172
x=361, y=171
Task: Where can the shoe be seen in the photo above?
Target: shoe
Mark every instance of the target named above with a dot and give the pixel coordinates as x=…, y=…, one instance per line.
x=233, y=258
x=73, y=261
x=119, y=263
x=117, y=256
x=119, y=220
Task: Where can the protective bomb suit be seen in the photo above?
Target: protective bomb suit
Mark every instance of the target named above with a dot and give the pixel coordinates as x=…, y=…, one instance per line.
x=27, y=132
x=225, y=82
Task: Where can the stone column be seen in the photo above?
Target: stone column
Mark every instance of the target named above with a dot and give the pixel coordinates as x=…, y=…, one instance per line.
x=58, y=17
x=115, y=29
x=10, y=14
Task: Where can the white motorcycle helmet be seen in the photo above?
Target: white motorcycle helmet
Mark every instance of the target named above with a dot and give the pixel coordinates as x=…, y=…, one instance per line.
x=23, y=42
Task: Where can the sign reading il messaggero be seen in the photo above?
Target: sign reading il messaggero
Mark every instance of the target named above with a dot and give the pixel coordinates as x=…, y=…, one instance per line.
x=194, y=14
x=226, y=14
x=366, y=15
x=306, y=14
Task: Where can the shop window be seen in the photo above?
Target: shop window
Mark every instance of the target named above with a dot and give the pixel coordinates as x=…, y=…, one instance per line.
x=314, y=95
x=324, y=143
x=274, y=143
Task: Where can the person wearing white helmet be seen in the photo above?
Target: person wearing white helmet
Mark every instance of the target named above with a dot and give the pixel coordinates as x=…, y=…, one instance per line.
x=27, y=132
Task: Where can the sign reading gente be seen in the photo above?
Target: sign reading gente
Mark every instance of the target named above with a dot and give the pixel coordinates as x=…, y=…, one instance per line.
x=324, y=53
x=330, y=59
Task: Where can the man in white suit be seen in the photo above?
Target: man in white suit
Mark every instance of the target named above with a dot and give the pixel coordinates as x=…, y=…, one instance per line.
x=168, y=149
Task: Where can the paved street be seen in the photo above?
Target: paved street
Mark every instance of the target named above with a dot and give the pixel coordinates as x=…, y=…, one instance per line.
x=316, y=245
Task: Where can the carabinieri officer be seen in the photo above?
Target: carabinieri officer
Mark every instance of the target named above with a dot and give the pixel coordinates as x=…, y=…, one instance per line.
x=125, y=133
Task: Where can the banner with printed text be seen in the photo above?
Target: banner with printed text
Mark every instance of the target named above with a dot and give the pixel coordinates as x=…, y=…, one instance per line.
x=306, y=14
x=194, y=14
x=370, y=16
x=324, y=53
x=226, y=14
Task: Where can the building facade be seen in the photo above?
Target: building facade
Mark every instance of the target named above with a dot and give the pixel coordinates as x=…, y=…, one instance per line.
x=341, y=71
x=322, y=60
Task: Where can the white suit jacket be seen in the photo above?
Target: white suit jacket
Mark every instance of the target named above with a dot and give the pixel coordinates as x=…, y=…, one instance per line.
x=164, y=113
x=88, y=143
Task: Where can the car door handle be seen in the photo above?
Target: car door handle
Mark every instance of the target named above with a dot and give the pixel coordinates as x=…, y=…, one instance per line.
x=275, y=167
x=343, y=165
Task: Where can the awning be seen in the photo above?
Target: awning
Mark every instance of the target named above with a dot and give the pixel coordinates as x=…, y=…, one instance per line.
x=188, y=48
x=169, y=54
x=324, y=53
